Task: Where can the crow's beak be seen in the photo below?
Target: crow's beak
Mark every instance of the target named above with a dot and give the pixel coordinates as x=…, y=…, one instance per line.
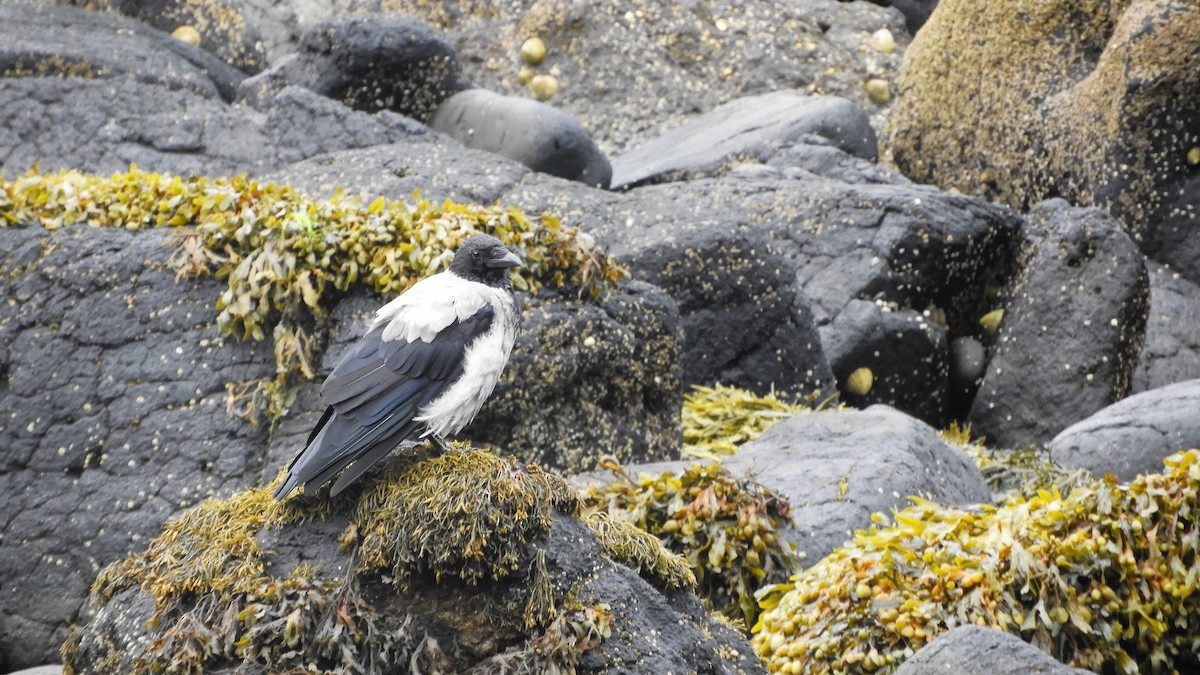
x=509, y=259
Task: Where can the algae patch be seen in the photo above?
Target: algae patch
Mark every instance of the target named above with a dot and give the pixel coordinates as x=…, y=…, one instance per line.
x=466, y=514
x=725, y=529
x=1102, y=578
x=283, y=255
x=716, y=420
x=441, y=544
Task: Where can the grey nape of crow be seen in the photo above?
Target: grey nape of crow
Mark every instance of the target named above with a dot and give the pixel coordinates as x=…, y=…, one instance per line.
x=428, y=362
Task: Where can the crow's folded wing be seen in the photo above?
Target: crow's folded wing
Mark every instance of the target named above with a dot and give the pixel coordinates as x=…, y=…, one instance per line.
x=382, y=382
x=378, y=377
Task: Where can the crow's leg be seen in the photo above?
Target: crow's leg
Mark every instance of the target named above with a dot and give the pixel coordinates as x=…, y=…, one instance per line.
x=439, y=443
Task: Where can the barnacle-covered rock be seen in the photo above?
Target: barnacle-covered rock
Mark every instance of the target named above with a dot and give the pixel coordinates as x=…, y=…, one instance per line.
x=1091, y=101
x=385, y=61
x=463, y=560
x=227, y=30
x=1102, y=578
x=51, y=40
x=1069, y=339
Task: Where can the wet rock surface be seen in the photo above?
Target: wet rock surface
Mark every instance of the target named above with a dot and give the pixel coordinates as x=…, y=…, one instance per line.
x=1072, y=330
x=1134, y=435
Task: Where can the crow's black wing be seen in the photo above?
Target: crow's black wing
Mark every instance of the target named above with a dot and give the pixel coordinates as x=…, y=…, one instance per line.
x=374, y=392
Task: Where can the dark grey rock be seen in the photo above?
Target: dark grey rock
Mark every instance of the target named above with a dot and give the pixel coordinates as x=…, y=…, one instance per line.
x=743, y=322
x=838, y=468
x=823, y=245
x=905, y=351
x=818, y=155
x=537, y=135
x=968, y=363
x=103, y=126
x=1172, y=349
x=629, y=74
x=746, y=129
x=115, y=415
x=976, y=650
x=437, y=166
x=1071, y=332
x=370, y=62
x=224, y=27
x=1134, y=435
x=446, y=611
x=39, y=40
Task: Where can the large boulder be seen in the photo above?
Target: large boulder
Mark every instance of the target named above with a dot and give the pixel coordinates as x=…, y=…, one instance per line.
x=1171, y=352
x=463, y=561
x=1071, y=331
x=1091, y=101
x=41, y=40
x=977, y=650
x=837, y=469
x=747, y=129
x=1135, y=435
x=537, y=135
x=718, y=245
x=115, y=401
x=370, y=62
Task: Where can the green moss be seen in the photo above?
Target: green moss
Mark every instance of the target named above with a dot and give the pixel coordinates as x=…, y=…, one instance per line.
x=1103, y=578
x=716, y=420
x=282, y=255
x=725, y=529
x=467, y=514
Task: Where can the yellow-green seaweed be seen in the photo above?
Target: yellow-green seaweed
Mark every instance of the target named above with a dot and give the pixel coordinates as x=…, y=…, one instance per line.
x=724, y=528
x=719, y=419
x=281, y=253
x=465, y=516
x=1102, y=578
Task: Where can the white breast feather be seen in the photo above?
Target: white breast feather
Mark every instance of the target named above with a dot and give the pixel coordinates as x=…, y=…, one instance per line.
x=482, y=365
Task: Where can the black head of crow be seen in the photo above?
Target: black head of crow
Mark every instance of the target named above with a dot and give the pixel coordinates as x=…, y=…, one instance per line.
x=428, y=362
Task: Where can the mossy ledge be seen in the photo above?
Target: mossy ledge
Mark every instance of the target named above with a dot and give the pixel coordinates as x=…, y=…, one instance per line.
x=283, y=255
x=1103, y=578
x=443, y=532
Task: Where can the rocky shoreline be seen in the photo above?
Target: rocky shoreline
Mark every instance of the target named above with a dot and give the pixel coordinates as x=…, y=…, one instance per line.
x=809, y=203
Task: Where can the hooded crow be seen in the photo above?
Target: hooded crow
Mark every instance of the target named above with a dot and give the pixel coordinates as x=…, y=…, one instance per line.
x=428, y=362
